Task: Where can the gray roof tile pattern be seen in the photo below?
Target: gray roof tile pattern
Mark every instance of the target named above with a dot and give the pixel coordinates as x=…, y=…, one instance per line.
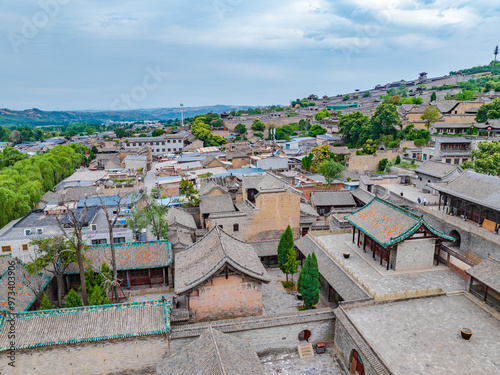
x=388, y=223
x=216, y=203
x=487, y=272
x=437, y=169
x=84, y=324
x=466, y=186
x=362, y=195
x=212, y=253
x=446, y=106
x=209, y=186
x=336, y=277
x=129, y=256
x=307, y=210
x=213, y=353
x=332, y=198
x=182, y=217
x=25, y=286
x=268, y=183
x=265, y=248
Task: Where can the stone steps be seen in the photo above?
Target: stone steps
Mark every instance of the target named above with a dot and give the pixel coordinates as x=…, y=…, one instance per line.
x=305, y=350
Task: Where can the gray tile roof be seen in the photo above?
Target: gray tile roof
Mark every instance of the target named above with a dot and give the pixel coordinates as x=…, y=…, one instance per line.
x=466, y=186
x=26, y=286
x=332, y=198
x=488, y=273
x=209, y=186
x=365, y=180
x=446, y=106
x=179, y=216
x=212, y=253
x=216, y=203
x=180, y=239
x=84, y=324
x=213, y=353
x=333, y=274
x=307, y=210
x=129, y=256
x=268, y=183
x=265, y=248
x=388, y=223
x=453, y=140
x=362, y=195
x=437, y=169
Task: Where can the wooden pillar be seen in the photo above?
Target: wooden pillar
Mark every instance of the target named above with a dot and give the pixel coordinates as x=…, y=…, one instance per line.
x=388, y=257
x=149, y=276
x=480, y=213
x=329, y=287
x=485, y=292
x=470, y=283
x=163, y=272
x=439, y=205
x=439, y=253
x=359, y=235
x=496, y=222
x=374, y=246
x=353, y=233
x=381, y=255
x=364, y=243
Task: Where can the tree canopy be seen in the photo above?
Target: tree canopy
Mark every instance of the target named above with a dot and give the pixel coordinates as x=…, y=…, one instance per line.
x=330, y=170
x=201, y=129
x=384, y=121
x=258, y=126
x=486, y=159
x=430, y=116
x=150, y=214
x=308, y=283
x=355, y=128
x=286, y=242
x=488, y=111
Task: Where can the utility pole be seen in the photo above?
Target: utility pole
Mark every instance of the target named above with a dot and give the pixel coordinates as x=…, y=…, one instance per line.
x=182, y=115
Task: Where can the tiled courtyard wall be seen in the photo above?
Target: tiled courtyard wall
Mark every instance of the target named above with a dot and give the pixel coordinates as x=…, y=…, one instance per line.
x=124, y=356
x=415, y=254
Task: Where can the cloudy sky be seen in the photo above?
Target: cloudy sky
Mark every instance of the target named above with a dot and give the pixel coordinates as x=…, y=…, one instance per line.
x=118, y=54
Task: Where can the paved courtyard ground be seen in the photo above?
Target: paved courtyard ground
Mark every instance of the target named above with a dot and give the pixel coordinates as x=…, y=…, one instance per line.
x=378, y=279
x=289, y=363
x=411, y=193
x=275, y=298
x=422, y=336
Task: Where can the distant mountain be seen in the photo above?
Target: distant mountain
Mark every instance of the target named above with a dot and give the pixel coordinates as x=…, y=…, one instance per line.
x=36, y=117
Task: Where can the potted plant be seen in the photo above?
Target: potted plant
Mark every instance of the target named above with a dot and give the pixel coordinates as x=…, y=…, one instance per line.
x=347, y=254
x=466, y=333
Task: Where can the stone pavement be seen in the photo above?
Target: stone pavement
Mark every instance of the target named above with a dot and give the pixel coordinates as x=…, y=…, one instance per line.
x=378, y=280
x=289, y=363
x=411, y=193
x=422, y=336
x=275, y=298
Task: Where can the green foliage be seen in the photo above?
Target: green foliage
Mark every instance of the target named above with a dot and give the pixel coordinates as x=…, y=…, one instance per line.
x=420, y=142
x=240, y=128
x=291, y=266
x=466, y=95
x=316, y=130
x=259, y=134
x=489, y=111
x=396, y=99
x=187, y=188
x=330, y=170
x=302, y=103
x=398, y=160
x=258, y=125
x=417, y=100
x=370, y=147
x=433, y=96
x=382, y=164
x=322, y=114
x=493, y=67
x=346, y=97
x=384, y=120
x=307, y=162
x=201, y=129
x=46, y=304
x=355, y=128
x=151, y=215
x=367, y=95
x=73, y=300
x=289, y=284
x=286, y=241
x=98, y=297
x=430, y=116
x=321, y=154
x=486, y=159
x=157, y=132
x=308, y=283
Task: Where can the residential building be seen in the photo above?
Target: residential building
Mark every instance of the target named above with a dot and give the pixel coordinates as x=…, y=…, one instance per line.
x=453, y=150
x=434, y=171
x=167, y=143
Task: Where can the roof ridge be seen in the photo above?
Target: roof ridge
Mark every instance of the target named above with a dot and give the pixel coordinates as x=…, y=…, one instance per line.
x=217, y=353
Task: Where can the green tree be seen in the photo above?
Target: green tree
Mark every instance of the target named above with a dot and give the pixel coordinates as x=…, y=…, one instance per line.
x=417, y=100
x=330, y=170
x=489, y=111
x=46, y=304
x=466, y=95
x=396, y=99
x=259, y=134
x=321, y=154
x=258, y=126
x=291, y=265
x=157, y=132
x=98, y=297
x=370, y=147
x=73, y=300
x=152, y=214
x=346, y=97
x=398, y=160
x=240, y=128
x=355, y=129
x=382, y=164
x=307, y=162
x=433, y=96
x=430, y=116
x=322, y=114
x=187, y=188
x=486, y=159
x=286, y=241
x=308, y=283
x=316, y=130
x=384, y=120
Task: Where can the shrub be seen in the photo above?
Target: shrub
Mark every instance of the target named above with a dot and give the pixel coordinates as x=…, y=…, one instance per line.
x=420, y=142
x=288, y=284
x=73, y=300
x=398, y=160
x=46, y=304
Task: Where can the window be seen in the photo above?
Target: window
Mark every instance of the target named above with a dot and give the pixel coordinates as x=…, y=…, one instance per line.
x=6, y=249
x=119, y=240
x=25, y=247
x=169, y=149
x=168, y=141
x=221, y=226
x=163, y=143
x=39, y=231
x=420, y=178
x=27, y=232
x=236, y=227
x=102, y=241
x=93, y=227
x=429, y=181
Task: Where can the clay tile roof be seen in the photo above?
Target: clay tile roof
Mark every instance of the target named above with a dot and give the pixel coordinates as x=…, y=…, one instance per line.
x=266, y=248
x=388, y=223
x=487, y=272
x=437, y=169
x=308, y=210
x=84, y=324
x=209, y=186
x=446, y=106
x=334, y=275
x=332, y=198
x=213, y=353
x=129, y=256
x=268, y=183
x=216, y=203
x=212, y=253
x=362, y=195
x=181, y=217
x=466, y=186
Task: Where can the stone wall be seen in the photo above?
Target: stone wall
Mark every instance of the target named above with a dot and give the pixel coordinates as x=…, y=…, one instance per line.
x=224, y=298
x=122, y=356
x=412, y=254
x=362, y=163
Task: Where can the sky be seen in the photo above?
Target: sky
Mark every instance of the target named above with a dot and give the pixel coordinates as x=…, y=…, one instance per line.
x=121, y=54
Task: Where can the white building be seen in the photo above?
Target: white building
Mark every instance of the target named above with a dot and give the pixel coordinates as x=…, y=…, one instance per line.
x=167, y=143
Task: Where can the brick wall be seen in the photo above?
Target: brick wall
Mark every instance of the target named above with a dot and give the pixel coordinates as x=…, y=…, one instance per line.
x=363, y=163
x=415, y=254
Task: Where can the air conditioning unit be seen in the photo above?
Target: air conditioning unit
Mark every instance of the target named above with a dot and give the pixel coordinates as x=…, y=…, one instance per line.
x=39, y=231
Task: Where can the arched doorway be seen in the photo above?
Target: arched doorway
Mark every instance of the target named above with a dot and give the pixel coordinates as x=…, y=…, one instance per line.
x=356, y=367
x=456, y=236
x=304, y=335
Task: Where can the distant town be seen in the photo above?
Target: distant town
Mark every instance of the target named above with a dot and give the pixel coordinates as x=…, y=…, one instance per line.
x=347, y=234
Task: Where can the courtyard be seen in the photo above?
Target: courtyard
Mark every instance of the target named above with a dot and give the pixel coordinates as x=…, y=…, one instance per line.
x=289, y=363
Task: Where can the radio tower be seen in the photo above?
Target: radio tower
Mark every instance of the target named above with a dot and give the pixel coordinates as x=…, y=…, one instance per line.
x=182, y=115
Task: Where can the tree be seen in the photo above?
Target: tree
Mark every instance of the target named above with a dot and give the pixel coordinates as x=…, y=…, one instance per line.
x=286, y=241
x=15, y=137
x=384, y=120
x=307, y=162
x=72, y=300
x=98, y=297
x=322, y=114
x=152, y=214
x=466, y=95
x=308, y=283
x=316, y=130
x=489, y=111
x=398, y=160
x=321, y=154
x=370, y=147
x=157, y=132
x=259, y=134
x=346, y=97
x=187, y=188
x=382, y=164
x=53, y=255
x=486, y=159
x=291, y=265
x=430, y=116
x=396, y=99
x=46, y=304
x=495, y=52
x=240, y=128
x=258, y=125
x=355, y=129
x=330, y=170
x=433, y=96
